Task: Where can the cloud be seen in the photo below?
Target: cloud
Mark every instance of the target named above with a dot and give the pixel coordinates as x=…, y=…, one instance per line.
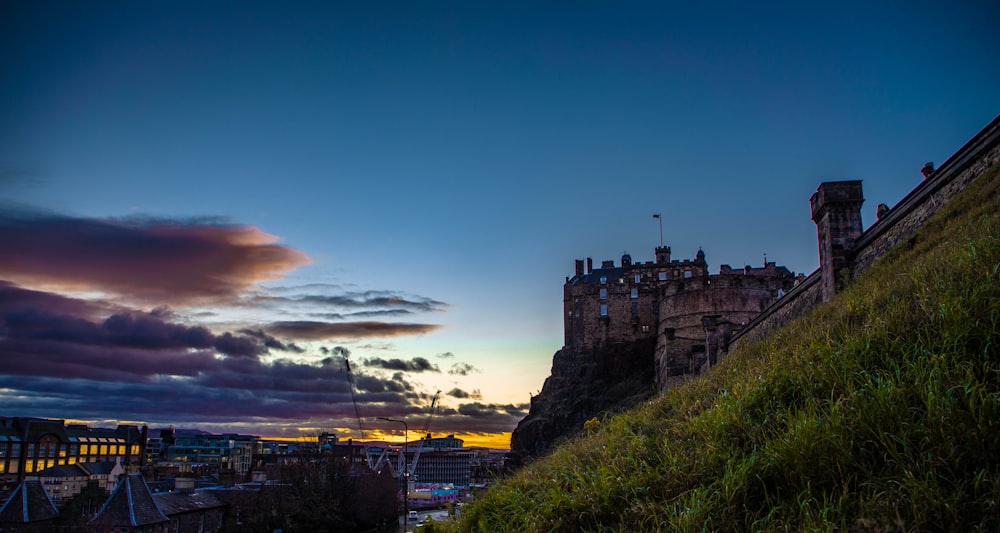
x=417, y=364
x=462, y=369
x=55, y=327
x=272, y=342
x=11, y=178
x=64, y=355
x=477, y=409
x=330, y=302
x=461, y=394
x=366, y=300
x=315, y=331
x=140, y=259
x=108, y=359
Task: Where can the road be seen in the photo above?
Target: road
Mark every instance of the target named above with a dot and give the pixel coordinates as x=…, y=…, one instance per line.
x=438, y=515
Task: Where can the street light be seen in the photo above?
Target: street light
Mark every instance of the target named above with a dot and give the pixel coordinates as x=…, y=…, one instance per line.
x=406, y=470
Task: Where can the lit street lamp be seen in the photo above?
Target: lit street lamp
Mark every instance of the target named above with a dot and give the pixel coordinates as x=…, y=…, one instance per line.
x=406, y=471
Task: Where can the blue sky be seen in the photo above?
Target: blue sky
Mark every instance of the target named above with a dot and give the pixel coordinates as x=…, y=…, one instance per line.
x=454, y=156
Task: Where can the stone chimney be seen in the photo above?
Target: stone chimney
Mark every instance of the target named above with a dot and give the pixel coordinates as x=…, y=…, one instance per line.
x=928, y=170
x=836, y=210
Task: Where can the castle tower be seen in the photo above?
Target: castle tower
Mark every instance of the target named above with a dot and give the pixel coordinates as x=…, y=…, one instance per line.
x=662, y=255
x=836, y=210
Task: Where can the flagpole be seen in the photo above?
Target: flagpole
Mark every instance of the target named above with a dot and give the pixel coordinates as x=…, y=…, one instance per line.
x=659, y=217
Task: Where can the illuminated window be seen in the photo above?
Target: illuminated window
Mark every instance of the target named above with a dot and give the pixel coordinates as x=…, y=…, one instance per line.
x=84, y=449
x=104, y=449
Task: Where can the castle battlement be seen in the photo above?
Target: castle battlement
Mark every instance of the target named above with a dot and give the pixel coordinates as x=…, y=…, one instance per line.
x=630, y=301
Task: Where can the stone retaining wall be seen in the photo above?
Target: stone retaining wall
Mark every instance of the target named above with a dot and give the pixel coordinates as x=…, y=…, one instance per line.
x=893, y=227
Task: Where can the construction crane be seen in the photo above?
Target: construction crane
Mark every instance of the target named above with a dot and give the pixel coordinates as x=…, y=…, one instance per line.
x=427, y=424
x=427, y=437
x=373, y=462
x=340, y=350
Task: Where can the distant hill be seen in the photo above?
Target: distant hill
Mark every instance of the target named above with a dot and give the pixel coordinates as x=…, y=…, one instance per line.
x=879, y=410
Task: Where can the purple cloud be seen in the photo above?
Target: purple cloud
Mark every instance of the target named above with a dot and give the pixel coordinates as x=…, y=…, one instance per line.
x=144, y=260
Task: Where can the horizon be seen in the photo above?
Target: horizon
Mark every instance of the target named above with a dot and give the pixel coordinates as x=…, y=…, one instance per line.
x=296, y=219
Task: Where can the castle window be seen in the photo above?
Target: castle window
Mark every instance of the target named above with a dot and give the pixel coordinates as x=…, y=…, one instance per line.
x=604, y=279
x=604, y=293
x=604, y=309
x=638, y=278
x=645, y=328
x=635, y=309
x=687, y=274
x=635, y=293
x=663, y=276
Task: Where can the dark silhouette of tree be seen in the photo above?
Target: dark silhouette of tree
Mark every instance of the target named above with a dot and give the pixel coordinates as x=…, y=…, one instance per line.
x=318, y=492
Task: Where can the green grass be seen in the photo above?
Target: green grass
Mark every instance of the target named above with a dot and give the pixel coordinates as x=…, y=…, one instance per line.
x=879, y=411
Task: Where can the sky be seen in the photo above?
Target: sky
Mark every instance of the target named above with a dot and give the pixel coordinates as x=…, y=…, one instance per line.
x=217, y=215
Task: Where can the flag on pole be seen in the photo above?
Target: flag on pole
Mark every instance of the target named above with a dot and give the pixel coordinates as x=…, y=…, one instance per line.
x=657, y=215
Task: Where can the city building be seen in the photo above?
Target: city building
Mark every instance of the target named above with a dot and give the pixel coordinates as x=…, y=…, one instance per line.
x=130, y=508
x=31, y=445
x=228, y=451
x=64, y=482
x=27, y=507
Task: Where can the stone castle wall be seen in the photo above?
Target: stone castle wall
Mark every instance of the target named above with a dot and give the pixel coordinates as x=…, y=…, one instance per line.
x=619, y=303
x=894, y=226
x=902, y=221
x=726, y=303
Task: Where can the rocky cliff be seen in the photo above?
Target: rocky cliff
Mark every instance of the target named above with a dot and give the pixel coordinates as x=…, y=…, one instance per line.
x=584, y=384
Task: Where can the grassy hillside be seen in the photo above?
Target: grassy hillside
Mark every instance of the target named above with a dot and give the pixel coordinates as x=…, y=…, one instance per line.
x=878, y=411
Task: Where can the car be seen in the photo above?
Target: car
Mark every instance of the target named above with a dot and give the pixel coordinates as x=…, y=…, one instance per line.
x=412, y=515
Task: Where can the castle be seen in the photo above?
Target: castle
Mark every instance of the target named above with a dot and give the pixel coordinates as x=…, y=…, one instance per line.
x=692, y=314
x=696, y=316
x=634, y=325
